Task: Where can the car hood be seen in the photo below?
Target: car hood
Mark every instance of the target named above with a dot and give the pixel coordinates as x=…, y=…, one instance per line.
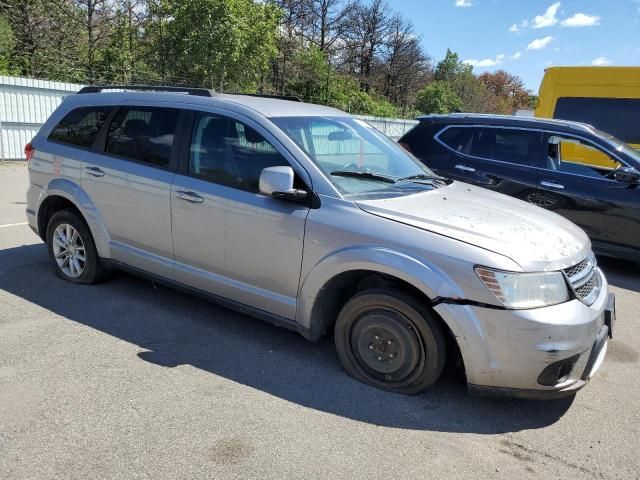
x=535, y=238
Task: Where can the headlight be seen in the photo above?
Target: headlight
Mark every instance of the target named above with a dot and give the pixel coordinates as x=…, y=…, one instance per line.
x=525, y=290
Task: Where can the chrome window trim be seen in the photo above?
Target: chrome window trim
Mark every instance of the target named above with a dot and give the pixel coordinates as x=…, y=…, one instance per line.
x=537, y=130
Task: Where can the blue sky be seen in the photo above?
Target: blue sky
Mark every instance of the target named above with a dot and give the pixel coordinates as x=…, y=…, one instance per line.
x=526, y=36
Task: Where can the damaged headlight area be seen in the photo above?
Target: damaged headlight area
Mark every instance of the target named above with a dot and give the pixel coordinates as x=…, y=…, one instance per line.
x=525, y=290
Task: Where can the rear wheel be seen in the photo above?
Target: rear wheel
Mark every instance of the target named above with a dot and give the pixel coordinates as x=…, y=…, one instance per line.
x=72, y=250
x=390, y=340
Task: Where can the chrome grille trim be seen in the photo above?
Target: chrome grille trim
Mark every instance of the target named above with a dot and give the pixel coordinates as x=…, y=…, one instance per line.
x=585, y=280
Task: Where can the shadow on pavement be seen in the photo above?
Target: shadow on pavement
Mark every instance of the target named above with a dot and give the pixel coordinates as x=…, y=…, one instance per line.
x=621, y=273
x=177, y=329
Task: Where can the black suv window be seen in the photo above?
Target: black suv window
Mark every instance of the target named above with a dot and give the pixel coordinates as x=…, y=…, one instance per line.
x=230, y=153
x=504, y=144
x=80, y=126
x=145, y=134
x=572, y=155
x=618, y=116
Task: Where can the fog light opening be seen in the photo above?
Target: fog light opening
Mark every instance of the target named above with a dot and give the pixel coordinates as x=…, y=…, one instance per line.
x=557, y=372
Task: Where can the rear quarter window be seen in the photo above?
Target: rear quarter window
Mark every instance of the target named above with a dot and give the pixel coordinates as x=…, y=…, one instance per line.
x=619, y=117
x=419, y=139
x=80, y=126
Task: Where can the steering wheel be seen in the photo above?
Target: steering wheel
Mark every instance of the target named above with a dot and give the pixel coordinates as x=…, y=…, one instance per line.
x=353, y=167
x=612, y=173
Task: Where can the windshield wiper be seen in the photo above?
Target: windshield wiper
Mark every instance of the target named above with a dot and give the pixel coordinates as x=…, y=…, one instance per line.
x=423, y=176
x=364, y=175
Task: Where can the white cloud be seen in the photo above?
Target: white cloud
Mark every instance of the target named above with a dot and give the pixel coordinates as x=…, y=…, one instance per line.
x=515, y=28
x=581, y=20
x=601, y=61
x=540, y=43
x=464, y=3
x=548, y=18
x=487, y=62
x=516, y=56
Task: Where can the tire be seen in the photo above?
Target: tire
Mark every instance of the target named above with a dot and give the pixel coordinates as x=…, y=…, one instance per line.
x=75, y=269
x=390, y=340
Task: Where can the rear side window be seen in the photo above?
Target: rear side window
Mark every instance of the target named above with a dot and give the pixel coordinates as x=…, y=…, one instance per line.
x=417, y=139
x=619, y=117
x=144, y=134
x=503, y=144
x=80, y=126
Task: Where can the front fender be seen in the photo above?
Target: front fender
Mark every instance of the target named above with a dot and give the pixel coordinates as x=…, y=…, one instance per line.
x=429, y=279
x=71, y=191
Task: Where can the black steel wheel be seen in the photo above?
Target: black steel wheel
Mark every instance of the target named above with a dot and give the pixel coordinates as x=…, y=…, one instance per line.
x=390, y=340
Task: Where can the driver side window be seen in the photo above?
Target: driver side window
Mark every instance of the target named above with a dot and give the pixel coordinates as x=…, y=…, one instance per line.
x=228, y=152
x=572, y=155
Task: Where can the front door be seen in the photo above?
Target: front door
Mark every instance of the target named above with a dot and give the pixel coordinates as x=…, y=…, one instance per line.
x=229, y=240
x=578, y=183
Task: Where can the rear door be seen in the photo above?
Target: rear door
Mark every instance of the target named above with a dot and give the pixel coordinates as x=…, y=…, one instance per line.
x=576, y=185
x=506, y=160
x=129, y=181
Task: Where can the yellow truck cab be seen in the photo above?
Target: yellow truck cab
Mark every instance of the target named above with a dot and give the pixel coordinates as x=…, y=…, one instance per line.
x=606, y=97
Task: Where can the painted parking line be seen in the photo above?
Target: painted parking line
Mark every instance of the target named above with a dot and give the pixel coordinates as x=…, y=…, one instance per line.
x=13, y=224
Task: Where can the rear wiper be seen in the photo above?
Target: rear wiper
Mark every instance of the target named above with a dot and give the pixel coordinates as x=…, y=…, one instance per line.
x=364, y=175
x=424, y=176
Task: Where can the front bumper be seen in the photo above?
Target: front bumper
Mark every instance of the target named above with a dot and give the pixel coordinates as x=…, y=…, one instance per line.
x=505, y=352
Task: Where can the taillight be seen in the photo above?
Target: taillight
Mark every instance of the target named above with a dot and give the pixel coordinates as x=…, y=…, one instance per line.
x=29, y=151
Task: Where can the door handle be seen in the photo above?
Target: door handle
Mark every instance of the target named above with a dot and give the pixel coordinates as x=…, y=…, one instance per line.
x=94, y=171
x=465, y=168
x=190, y=197
x=557, y=186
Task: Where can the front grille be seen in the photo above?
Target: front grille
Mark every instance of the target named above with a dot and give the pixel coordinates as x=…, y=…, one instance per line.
x=584, y=279
x=572, y=271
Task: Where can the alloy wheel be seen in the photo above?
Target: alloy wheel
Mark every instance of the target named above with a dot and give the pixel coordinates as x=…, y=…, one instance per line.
x=69, y=250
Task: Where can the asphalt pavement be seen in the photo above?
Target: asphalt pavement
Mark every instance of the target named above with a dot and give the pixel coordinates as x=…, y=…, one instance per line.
x=129, y=380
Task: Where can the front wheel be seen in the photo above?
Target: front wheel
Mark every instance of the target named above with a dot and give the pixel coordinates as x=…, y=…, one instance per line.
x=388, y=339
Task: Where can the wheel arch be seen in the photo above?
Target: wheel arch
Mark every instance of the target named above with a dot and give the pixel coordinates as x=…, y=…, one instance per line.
x=337, y=277
x=62, y=194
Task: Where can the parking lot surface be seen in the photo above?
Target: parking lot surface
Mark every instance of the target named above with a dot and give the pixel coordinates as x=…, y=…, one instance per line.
x=129, y=380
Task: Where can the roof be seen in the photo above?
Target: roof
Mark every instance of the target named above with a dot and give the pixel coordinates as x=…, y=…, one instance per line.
x=508, y=121
x=275, y=107
x=266, y=106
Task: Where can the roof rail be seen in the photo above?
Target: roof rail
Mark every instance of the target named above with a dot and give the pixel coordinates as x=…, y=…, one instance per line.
x=291, y=98
x=199, y=92
x=552, y=121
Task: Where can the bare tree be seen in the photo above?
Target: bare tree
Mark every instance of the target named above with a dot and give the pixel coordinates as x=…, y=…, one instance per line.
x=404, y=66
x=368, y=26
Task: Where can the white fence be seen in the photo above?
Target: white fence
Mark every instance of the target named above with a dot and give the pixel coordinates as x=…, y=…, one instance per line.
x=25, y=104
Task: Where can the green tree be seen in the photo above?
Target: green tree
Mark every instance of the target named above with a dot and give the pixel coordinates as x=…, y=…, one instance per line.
x=7, y=43
x=223, y=44
x=451, y=68
x=438, y=97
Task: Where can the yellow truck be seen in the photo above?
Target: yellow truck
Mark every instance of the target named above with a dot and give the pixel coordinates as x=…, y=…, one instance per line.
x=606, y=97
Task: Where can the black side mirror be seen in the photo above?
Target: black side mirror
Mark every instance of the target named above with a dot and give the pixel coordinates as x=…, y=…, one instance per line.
x=627, y=175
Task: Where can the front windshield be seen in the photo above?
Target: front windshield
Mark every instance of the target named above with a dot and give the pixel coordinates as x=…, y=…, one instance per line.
x=357, y=158
x=620, y=146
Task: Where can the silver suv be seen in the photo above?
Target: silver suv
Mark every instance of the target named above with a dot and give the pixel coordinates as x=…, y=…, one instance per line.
x=311, y=219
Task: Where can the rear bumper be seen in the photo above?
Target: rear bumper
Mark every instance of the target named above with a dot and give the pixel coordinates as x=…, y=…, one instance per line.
x=510, y=352
x=33, y=194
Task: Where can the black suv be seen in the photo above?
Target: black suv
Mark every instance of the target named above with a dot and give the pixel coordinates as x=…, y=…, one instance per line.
x=584, y=174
